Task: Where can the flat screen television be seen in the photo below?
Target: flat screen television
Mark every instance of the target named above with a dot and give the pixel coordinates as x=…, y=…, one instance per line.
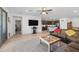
x=33, y=22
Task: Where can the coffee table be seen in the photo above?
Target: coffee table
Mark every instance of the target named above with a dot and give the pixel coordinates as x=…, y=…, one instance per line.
x=49, y=41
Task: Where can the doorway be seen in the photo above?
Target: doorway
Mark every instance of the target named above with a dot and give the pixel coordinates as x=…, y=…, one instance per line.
x=18, y=26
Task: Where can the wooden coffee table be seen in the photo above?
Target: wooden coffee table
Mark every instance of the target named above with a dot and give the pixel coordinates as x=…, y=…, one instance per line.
x=49, y=41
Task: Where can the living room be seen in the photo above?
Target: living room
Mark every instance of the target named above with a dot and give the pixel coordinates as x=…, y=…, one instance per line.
x=36, y=22
x=39, y=29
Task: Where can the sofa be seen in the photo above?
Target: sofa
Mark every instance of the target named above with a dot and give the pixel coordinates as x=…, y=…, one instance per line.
x=72, y=42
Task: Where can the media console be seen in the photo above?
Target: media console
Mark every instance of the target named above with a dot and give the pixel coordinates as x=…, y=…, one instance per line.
x=34, y=30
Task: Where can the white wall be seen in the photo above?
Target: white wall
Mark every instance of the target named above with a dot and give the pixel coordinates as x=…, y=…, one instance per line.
x=10, y=26
x=10, y=31
x=26, y=29
x=75, y=22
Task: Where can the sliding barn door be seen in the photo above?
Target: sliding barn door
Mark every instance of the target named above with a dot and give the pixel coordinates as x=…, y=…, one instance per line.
x=3, y=26
x=0, y=27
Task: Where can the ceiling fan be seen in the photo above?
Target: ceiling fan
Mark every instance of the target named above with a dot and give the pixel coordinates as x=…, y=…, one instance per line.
x=45, y=11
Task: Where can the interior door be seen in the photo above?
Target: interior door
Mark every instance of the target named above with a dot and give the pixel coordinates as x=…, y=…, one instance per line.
x=18, y=26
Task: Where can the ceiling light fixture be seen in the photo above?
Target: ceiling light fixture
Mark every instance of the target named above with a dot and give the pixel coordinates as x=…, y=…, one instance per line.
x=43, y=8
x=44, y=11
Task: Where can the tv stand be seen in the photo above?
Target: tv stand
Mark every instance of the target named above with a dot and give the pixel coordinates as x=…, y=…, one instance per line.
x=34, y=30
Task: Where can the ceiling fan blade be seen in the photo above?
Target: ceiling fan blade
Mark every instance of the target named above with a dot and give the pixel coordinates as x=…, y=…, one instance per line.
x=50, y=10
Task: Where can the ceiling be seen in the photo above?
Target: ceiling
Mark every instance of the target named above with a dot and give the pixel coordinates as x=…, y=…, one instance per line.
x=57, y=12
